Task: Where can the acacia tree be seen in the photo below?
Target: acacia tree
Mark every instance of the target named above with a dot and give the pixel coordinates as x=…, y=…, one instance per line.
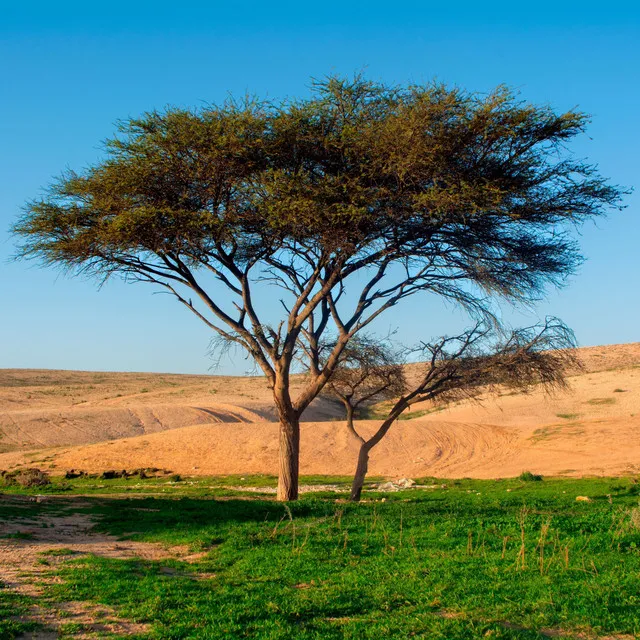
x=380, y=191
x=476, y=362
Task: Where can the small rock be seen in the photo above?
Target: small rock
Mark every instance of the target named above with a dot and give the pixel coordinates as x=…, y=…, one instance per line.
x=583, y=499
x=405, y=483
x=41, y=498
x=387, y=486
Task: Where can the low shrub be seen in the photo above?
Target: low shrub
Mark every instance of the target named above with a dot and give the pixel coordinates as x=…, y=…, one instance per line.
x=112, y=475
x=26, y=478
x=527, y=476
x=72, y=474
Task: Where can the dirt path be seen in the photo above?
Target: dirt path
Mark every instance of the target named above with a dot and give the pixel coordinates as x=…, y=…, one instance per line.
x=44, y=541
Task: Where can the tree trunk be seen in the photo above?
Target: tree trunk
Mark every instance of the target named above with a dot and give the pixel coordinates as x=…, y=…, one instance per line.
x=289, y=454
x=360, y=474
x=349, y=411
x=367, y=445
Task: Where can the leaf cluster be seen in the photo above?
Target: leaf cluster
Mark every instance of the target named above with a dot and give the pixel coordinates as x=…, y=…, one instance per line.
x=469, y=182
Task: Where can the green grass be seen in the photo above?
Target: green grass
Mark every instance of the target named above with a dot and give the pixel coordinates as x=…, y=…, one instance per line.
x=171, y=485
x=419, y=414
x=14, y=609
x=498, y=559
x=380, y=412
x=552, y=431
x=58, y=552
x=600, y=401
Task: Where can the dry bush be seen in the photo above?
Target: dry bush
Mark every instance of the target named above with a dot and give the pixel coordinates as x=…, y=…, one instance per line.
x=26, y=478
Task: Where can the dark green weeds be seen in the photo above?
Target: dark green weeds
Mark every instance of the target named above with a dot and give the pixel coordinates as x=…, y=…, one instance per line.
x=496, y=559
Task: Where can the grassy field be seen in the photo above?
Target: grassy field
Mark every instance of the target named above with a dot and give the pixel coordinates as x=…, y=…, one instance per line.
x=470, y=559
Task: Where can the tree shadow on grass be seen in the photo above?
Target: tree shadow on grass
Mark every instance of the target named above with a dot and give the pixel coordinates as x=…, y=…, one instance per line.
x=177, y=517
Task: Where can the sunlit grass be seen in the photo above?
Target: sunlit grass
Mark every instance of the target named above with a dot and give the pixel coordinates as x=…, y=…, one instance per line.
x=471, y=559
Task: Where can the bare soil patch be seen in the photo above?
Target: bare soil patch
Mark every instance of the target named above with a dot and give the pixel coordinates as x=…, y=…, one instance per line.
x=46, y=540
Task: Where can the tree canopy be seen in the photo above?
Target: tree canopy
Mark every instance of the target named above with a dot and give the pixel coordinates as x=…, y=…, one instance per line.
x=350, y=200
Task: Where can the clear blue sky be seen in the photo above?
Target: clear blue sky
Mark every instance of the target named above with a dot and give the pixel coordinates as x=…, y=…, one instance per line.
x=68, y=71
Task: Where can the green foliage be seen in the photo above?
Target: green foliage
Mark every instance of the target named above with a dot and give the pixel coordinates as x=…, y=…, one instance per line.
x=19, y=535
x=196, y=486
x=59, y=552
x=355, y=163
x=527, y=476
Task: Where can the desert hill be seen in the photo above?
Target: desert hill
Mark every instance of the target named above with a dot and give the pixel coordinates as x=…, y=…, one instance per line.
x=45, y=408
x=222, y=425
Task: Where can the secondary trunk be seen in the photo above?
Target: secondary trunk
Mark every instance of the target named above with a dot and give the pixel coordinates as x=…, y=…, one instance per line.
x=289, y=454
x=360, y=474
x=367, y=445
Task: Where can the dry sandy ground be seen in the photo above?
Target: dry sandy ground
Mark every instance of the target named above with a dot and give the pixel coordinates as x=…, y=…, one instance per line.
x=593, y=429
x=45, y=408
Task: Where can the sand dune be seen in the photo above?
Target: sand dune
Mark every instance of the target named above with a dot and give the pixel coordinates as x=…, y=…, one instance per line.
x=171, y=422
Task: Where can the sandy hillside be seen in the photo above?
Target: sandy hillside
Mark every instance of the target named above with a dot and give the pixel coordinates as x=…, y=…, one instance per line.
x=593, y=429
x=45, y=408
